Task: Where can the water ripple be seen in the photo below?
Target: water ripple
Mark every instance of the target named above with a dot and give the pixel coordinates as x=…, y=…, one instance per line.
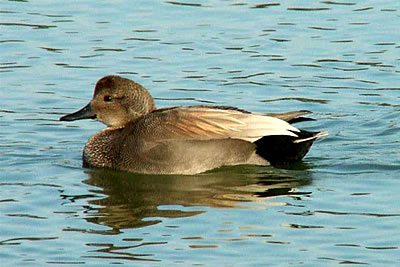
x=184, y=3
x=379, y=215
x=265, y=5
x=301, y=99
x=34, y=26
x=18, y=241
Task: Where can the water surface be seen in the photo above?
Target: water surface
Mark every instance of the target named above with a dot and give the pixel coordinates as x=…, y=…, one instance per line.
x=337, y=59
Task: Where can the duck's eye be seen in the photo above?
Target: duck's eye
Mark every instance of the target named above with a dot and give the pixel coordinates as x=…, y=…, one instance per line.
x=107, y=98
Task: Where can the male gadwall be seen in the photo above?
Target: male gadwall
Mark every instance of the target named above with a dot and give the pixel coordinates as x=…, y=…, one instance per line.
x=184, y=140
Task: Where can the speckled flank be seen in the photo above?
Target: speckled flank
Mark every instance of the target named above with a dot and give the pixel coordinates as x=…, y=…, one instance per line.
x=102, y=149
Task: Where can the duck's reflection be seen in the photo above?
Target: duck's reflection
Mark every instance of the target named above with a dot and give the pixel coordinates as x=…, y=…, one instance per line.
x=134, y=200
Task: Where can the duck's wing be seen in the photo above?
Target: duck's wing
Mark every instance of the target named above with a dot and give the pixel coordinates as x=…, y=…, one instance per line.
x=205, y=123
x=292, y=116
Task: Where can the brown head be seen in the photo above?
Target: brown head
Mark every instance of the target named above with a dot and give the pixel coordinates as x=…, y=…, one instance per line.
x=116, y=102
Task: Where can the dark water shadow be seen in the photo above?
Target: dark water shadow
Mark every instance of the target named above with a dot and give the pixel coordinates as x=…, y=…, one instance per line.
x=134, y=200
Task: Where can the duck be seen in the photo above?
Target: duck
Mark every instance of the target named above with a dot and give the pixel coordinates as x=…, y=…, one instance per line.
x=184, y=140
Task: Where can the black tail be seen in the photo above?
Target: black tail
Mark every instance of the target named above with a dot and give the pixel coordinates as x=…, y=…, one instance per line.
x=282, y=149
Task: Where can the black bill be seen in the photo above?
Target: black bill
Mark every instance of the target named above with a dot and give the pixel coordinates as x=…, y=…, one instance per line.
x=84, y=113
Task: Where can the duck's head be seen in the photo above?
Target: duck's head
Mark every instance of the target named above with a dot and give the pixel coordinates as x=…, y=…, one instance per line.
x=116, y=102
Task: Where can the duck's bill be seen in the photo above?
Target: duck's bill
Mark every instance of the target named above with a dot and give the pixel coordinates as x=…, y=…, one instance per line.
x=84, y=113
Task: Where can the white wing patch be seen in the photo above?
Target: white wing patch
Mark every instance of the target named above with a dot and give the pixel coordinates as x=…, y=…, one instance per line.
x=234, y=124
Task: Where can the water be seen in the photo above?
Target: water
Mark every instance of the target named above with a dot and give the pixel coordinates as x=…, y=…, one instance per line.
x=337, y=59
